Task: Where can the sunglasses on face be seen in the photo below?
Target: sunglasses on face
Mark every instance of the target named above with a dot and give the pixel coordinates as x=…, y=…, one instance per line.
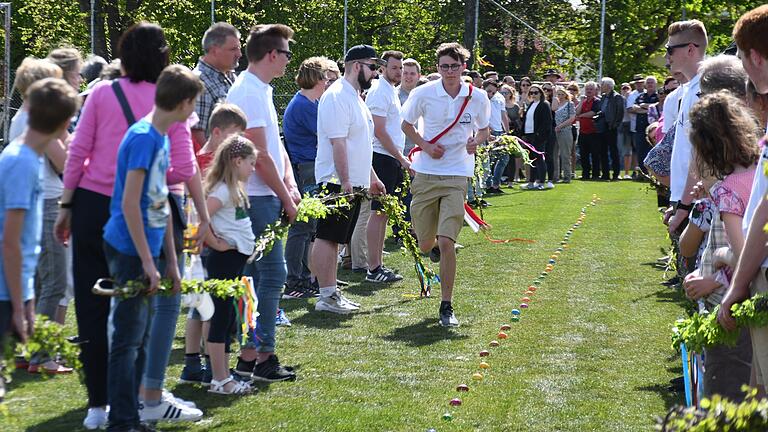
x=671, y=48
x=505, y=93
x=288, y=54
x=534, y=93
x=372, y=67
x=454, y=67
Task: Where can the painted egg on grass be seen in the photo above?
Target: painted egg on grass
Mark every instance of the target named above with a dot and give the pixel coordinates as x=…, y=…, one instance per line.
x=515, y=312
x=462, y=388
x=502, y=335
x=505, y=327
x=484, y=353
x=494, y=343
x=529, y=292
x=525, y=299
x=515, y=318
x=447, y=417
x=455, y=402
x=484, y=365
x=523, y=305
x=477, y=376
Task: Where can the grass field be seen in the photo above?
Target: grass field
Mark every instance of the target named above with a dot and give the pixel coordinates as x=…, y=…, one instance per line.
x=592, y=353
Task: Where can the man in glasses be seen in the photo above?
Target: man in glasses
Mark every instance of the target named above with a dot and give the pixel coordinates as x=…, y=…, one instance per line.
x=345, y=132
x=271, y=189
x=445, y=164
x=685, y=51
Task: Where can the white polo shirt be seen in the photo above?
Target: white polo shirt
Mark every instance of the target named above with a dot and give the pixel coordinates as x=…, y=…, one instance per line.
x=759, y=190
x=671, y=105
x=254, y=97
x=681, y=150
x=383, y=101
x=343, y=114
x=497, y=107
x=439, y=110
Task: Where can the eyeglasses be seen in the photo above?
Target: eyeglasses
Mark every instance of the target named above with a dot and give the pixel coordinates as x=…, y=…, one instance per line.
x=288, y=54
x=454, y=67
x=534, y=93
x=671, y=48
x=505, y=93
x=371, y=66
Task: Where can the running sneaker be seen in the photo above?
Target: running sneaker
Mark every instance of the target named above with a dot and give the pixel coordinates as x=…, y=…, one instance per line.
x=382, y=275
x=96, y=418
x=549, y=185
x=297, y=291
x=281, y=319
x=270, y=371
x=170, y=396
x=447, y=318
x=192, y=376
x=244, y=368
x=169, y=410
x=335, y=303
x=348, y=301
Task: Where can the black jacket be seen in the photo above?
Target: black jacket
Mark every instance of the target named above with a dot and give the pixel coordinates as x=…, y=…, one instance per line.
x=614, y=113
x=542, y=124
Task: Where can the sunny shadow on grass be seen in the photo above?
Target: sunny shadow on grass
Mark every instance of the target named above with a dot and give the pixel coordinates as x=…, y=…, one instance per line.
x=591, y=354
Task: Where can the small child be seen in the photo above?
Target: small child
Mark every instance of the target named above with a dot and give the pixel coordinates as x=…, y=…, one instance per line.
x=232, y=242
x=51, y=103
x=226, y=120
x=138, y=226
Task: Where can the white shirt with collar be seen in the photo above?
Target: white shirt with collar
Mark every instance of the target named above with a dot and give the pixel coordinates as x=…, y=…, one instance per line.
x=631, y=99
x=383, y=101
x=254, y=97
x=438, y=110
x=671, y=106
x=343, y=114
x=498, y=105
x=681, y=150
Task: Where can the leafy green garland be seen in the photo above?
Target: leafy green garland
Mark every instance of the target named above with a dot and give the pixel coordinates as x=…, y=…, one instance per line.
x=325, y=204
x=221, y=288
x=718, y=414
x=505, y=144
x=702, y=330
x=48, y=337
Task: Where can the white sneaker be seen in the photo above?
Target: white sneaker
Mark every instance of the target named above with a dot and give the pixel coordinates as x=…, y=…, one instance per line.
x=354, y=305
x=169, y=396
x=169, y=410
x=334, y=304
x=549, y=185
x=527, y=186
x=96, y=418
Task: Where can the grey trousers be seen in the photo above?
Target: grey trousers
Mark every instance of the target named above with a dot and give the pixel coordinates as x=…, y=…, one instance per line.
x=300, y=233
x=51, y=272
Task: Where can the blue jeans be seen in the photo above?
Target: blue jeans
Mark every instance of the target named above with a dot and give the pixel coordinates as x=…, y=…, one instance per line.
x=499, y=165
x=300, y=233
x=165, y=313
x=131, y=319
x=268, y=273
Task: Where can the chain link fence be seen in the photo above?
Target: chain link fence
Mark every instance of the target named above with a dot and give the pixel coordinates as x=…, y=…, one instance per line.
x=11, y=101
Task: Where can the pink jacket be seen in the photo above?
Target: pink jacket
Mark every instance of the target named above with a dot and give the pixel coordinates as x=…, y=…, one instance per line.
x=92, y=155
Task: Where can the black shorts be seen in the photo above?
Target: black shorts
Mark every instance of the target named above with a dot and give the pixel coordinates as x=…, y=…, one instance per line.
x=224, y=265
x=389, y=172
x=338, y=227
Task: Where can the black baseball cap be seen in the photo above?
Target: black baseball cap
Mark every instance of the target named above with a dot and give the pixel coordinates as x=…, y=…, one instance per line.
x=363, y=52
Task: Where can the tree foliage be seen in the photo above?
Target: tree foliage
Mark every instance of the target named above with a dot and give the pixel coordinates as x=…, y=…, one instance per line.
x=634, y=38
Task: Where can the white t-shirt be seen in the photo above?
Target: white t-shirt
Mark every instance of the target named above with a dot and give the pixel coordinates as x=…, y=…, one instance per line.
x=439, y=110
x=681, y=150
x=497, y=107
x=383, y=101
x=231, y=223
x=671, y=105
x=630, y=102
x=53, y=187
x=529, y=126
x=254, y=97
x=343, y=114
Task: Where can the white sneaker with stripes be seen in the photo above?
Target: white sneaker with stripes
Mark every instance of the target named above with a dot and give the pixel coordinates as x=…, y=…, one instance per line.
x=169, y=410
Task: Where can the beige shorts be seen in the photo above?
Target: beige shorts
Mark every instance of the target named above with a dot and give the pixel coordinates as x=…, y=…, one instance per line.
x=760, y=334
x=437, y=208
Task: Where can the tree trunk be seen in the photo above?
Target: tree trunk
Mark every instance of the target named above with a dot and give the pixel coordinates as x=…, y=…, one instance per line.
x=469, y=28
x=99, y=41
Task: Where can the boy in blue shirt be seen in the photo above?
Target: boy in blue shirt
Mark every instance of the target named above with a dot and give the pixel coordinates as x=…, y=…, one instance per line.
x=137, y=228
x=52, y=102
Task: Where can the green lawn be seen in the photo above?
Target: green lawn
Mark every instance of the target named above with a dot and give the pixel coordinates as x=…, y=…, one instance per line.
x=592, y=353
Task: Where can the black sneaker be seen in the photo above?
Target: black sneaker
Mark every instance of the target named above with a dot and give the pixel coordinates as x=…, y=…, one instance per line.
x=271, y=371
x=341, y=283
x=447, y=318
x=314, y=288
x=382, y=275
x=244, y=368
x=192, y=375
x=296, y=291
x=434, y=255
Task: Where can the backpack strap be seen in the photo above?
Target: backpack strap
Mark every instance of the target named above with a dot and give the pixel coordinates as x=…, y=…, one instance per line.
x=129, y=117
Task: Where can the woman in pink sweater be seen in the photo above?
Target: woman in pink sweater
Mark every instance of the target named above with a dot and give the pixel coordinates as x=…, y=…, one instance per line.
x=89, y=176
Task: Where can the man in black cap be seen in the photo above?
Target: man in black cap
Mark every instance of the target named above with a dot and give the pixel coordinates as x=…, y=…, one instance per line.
x=553, y=76
x=344, y=163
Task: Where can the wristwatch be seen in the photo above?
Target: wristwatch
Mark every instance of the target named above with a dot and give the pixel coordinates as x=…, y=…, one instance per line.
x=681, y=206
x=65, y=205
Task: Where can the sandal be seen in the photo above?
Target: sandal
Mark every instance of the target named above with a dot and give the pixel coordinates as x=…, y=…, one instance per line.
x=219, y=387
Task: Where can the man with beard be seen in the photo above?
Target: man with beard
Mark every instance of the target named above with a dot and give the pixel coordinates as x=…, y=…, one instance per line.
x=451, y=117
x=388, y=159
x=344, y=156
x=221, y=43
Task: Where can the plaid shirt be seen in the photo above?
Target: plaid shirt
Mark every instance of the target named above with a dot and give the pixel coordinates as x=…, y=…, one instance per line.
x=715, y=240
x=216, y=85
